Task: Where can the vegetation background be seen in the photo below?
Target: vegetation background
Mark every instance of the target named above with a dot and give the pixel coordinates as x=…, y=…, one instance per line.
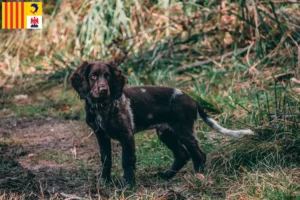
x=238, y=58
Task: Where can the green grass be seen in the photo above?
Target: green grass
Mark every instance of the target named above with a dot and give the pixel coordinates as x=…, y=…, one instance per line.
x=240, y=89
x=269, y=178
x=270, y=183
x=55, y=156
x=250, y=167
x=161, y=157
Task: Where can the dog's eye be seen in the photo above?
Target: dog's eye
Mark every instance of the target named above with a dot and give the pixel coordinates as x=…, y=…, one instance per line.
x=93, y=77
x=106, y=75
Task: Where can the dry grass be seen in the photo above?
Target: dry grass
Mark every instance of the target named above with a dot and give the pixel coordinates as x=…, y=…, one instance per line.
x=239, y=59
x=273, y=184
x=94, y=29
x=11, y=196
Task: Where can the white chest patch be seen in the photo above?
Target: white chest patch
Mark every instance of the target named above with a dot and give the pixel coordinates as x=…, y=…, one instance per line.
x=99, y=121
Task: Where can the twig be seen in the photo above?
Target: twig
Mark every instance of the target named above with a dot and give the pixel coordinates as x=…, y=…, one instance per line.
x=270, y=55
x=42, y=191
x=283, y=116
x=279, y=1
x=248, y=52
x=257, y=35
x=204, y=62
x=298, y=67
x=71, y=196
x=87, y=137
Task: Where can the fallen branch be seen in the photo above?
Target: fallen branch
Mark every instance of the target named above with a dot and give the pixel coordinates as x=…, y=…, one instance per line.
x=71, y=196
x=283, y=116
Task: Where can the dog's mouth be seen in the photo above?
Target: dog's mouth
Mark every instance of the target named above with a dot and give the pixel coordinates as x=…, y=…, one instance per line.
x=100, y=98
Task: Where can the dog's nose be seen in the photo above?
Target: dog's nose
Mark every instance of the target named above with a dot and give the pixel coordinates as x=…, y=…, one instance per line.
x=103, y=90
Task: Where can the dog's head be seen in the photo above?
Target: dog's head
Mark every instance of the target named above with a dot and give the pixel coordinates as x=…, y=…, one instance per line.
x=102, y=81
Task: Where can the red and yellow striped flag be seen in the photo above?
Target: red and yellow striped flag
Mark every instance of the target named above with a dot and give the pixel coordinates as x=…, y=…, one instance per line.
x=21, y=15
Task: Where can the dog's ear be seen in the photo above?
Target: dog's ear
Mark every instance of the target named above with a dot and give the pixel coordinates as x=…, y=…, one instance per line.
x=79, y=80
x=118, y=81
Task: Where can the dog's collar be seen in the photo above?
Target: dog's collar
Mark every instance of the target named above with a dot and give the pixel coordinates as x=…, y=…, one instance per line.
x=102, y=104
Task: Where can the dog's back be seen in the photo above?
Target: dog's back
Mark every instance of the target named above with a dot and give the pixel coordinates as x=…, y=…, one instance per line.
x=153, y=107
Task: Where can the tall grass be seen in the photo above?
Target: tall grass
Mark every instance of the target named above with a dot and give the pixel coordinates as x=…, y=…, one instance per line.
x=168, y=34
x=239, y=59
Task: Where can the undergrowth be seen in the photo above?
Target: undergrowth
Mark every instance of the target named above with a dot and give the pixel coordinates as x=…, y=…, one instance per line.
x=239, y=59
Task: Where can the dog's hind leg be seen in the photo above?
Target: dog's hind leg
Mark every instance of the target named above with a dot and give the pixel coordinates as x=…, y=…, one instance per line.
x=181, y=155
x=189, y=140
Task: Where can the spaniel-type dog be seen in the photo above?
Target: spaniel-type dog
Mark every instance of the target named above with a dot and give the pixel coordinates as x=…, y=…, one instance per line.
x=117, y=112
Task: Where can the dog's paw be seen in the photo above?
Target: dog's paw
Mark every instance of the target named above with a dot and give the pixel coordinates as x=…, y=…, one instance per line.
x=129, y=181
x=106, y=181
x=105, y=177
x=163, y=175
x=121, y=183
x=129, y=177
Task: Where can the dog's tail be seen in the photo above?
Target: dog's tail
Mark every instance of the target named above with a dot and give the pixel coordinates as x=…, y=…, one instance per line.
x=214, y=125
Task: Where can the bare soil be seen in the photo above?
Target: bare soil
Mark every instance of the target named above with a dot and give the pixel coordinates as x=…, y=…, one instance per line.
x=45, y=156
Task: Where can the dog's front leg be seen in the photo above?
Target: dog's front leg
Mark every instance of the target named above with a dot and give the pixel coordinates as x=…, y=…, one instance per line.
x=128, y=157
x=104, y=144
x=105, y=151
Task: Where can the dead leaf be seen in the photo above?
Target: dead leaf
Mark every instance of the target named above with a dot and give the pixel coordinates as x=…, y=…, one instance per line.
x=203, y=179
x=74, y=152
x=243, y=169
x=294, y=80
x=200, y=177
x=227, y=19
x=64, y=108
x=297, y=90
x=21, y=100
x=30, y=155
x=227, y=39
x=281, y=77
x=21, y=97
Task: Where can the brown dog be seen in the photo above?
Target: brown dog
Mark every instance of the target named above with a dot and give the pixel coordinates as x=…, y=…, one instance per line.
x=115, y=112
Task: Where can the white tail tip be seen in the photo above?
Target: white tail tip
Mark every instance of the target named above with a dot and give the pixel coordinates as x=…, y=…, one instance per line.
x=236, y=133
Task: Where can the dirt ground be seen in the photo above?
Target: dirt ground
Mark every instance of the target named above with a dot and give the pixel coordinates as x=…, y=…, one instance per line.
x=47, y=156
